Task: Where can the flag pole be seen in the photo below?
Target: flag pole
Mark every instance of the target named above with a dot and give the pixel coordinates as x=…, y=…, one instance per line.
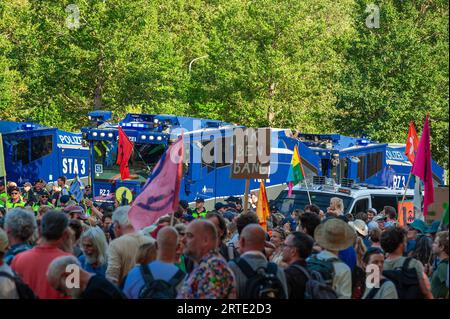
x=247, y=187
x=406, y=186
x=307, y=191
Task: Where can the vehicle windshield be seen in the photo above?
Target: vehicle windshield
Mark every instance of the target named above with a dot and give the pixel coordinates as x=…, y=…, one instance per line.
x=142, y=161
x=299, y=199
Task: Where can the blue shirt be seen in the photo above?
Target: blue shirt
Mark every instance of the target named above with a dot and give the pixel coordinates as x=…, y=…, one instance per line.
x=101, y=270
x=134, y=281
x=291, y=222
x=367, y=242
x=348, y=256
x=410, y=246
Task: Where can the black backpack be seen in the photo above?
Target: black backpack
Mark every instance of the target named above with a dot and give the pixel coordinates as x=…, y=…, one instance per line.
x=374, y=291
x=23, y=290
x=315, y=287
x=406, y=281
x=158, y=288
x=262, y=283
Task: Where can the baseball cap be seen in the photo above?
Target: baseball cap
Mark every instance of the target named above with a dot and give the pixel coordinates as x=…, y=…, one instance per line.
x=77, y=210
x=373, y=210
x=231, y=199
x=64, y=199
x=40, y=180
x=43, y=192
x=188, y=217
x=14, y=189
x=200, y=200
x=219, y=205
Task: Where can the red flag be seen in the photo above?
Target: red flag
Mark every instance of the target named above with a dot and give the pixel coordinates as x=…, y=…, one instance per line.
x=124, y=153
x=160, y=194
x=412, y=142
x=422, y=166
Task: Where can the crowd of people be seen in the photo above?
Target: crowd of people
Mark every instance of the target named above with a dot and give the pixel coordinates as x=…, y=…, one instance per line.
x=46, y=236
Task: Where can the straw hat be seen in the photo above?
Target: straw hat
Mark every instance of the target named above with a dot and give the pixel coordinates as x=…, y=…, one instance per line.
x=360, y=226
x=335, y=235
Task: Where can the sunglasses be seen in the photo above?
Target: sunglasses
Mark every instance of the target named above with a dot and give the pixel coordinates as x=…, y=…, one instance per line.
x=44, y=196
x=14, y=193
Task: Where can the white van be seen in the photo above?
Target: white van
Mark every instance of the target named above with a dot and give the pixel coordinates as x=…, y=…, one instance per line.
x=356, y=199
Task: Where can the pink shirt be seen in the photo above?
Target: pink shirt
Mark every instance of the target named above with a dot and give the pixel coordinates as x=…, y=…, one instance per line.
x=32, y=266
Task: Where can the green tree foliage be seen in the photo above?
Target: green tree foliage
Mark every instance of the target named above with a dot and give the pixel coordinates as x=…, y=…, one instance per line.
x=398, y=73
x=311, y=65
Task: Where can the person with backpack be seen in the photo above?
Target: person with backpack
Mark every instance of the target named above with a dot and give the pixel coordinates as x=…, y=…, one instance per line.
x=257, y=278
x=333, y=236
x=386, y=289
x=161, y=278
x=296, y=249
x=406, y=273
x=440, y=275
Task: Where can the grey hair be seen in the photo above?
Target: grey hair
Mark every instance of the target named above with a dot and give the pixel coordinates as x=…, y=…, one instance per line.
x=98, y=240
x=59, y=266
x=21, y=223
x=120, y=215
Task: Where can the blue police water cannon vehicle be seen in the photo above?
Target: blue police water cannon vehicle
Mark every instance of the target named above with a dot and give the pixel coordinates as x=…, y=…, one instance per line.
x=203, y=177
x=360, y=160
x=33, y=151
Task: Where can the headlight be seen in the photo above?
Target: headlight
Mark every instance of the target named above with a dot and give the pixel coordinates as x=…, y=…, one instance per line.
x=94, y=134
x=143, y=137
x=110, y=134
x=102, y=134
x=152, y=138
x=159, y=138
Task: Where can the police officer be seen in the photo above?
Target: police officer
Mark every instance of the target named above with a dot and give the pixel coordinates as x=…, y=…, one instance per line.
x=27, y=193
x=15, y=198
x=38, y=187
x=199, y=211
x=43, y=196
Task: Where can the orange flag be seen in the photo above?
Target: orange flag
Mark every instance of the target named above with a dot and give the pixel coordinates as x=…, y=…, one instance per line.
x=262, y=207
x=412, y=143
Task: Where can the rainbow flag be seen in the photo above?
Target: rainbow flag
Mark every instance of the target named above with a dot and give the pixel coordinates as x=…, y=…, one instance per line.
x=296, y=173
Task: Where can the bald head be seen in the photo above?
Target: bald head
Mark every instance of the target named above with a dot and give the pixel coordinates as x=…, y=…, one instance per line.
x=206, y=228
x=201, y=238
x=253, y=237
x=167, y=238
x=167, y=242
